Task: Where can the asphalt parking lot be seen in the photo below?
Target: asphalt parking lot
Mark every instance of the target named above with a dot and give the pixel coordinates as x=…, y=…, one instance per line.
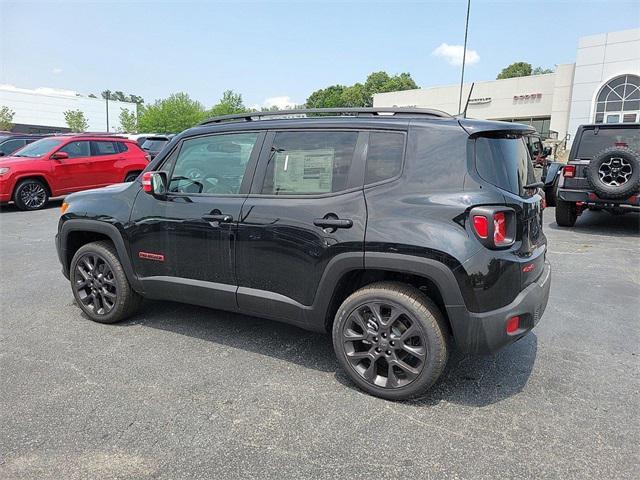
x=186, y=392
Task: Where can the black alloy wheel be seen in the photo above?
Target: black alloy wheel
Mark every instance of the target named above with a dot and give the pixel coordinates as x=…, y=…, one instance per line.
x=94, y=284
x=384, y=344
x=391, y=339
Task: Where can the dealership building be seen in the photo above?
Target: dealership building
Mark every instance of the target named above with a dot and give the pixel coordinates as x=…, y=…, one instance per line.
x=42, y=110
x=602, y=86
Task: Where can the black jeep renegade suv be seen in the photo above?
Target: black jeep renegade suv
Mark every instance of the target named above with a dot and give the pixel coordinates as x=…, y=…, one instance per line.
x=404, y=232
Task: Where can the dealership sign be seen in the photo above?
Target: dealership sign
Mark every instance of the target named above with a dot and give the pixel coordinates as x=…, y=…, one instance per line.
x=478, y=101
x=527, y=97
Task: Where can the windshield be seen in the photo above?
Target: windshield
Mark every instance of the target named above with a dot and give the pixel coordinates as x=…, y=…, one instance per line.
x=505, y=163
x=154, y=145
x=38, y=148
x=593, y=141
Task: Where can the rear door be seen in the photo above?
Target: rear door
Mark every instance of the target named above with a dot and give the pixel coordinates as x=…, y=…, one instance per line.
x=74, y=173
x=104, y=156
x=306, y=207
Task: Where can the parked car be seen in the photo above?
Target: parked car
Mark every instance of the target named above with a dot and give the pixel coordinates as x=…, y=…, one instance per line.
x=372, y=224
x=603, y=172
x=139, y=138
x=11, y=142
x=154, y=145
x=538, y=152
x=54, y=166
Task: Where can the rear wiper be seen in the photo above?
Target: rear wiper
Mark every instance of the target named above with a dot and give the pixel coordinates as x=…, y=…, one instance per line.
x=534, y=185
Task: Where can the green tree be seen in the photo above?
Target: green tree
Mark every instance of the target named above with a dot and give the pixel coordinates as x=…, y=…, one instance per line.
x=517, y=69
x=128, y=121
x=76, y=120
x=358, y=94
x=91, y=95
x=230, y=103
x=541, y=71
x=170, y=115
x=6, y=118
x=106, y=94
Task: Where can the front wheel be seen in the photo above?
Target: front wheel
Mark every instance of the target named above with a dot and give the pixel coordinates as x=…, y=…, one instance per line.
x=566, y=213
x=99, y=284
x=31, y=194
x=391, y=340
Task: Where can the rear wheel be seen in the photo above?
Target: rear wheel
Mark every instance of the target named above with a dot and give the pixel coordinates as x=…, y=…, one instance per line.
x=566, y=213
x=551, y=192
x=131, y=177
x=31, y=194
x=99, y=284
x=391, y=340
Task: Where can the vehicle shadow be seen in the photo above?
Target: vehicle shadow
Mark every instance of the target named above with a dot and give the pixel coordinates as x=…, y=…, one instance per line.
x=604, y=224
x=11, y=207
x=469, y=380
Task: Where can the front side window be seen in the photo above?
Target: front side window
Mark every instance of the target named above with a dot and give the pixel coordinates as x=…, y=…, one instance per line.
x=309, y=163
x=384, y=156
x=213, y=165
x=76, y=149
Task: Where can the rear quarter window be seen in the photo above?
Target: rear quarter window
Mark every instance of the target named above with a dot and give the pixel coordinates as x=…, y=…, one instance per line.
x=505, y=163
x=385, y=153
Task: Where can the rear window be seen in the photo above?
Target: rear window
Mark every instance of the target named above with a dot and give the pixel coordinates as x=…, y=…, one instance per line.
x=154, y=145
x=593, y=141
x=505, y=163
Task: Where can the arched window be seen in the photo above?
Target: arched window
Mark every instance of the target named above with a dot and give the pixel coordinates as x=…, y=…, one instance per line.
x=619, y=100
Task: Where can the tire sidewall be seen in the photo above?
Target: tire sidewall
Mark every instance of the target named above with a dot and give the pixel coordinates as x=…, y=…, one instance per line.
x=18, y=200
x=607, y=191
x=435, y=343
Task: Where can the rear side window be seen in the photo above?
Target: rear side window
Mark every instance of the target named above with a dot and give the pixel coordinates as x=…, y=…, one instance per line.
x=505, y=163
x=309, y=163
x=384, y=156
x=593, y=141
x=104, y=148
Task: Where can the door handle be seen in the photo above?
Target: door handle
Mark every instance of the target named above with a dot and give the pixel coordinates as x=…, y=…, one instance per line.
x=223, y=218
x=333, y=223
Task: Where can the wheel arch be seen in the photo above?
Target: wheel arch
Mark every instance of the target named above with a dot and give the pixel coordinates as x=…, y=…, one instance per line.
x=39, y=177
x=75, y=233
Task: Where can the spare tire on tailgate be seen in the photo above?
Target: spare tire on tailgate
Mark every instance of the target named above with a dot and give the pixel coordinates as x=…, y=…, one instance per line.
x=615, y=173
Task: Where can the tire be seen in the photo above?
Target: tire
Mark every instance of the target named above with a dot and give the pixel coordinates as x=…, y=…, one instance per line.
x=374, y=354
x=551, y=194
x=614, y=173
x=116, y=300
x=566, y=213
x=31, y=194
x=131, y=177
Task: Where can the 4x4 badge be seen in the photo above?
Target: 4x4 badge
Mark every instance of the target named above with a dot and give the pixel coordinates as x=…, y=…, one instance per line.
x=151, y=256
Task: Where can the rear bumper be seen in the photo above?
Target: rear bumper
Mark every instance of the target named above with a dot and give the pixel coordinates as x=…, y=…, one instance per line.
x=485, y=333
x=589, y=197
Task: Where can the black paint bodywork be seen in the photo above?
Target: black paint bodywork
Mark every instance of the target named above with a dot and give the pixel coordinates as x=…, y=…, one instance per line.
x=272, y=261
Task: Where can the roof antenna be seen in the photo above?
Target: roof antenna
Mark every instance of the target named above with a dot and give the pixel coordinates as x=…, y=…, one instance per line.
x=464, y=113
x=464, y=55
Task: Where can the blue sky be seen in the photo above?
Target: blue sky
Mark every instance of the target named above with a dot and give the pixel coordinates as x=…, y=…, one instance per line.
x=268, y=49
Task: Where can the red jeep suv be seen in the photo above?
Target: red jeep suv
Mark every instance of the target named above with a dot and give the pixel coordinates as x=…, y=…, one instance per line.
x=55, y=166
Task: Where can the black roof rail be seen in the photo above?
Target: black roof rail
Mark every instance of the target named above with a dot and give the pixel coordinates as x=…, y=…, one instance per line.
x=364, y=111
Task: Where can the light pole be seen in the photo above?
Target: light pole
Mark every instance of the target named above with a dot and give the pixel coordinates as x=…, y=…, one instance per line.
x=464, y=55
x=106, y=99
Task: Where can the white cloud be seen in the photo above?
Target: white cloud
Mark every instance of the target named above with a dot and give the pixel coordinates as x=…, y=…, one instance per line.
x=453, y=54
x=280, y=102
x=56, y=71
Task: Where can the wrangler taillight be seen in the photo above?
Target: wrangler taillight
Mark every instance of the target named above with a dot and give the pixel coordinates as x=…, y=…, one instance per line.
x=569, y=171
x=495, y=227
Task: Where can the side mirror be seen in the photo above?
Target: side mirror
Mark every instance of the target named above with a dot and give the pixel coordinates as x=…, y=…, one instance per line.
x=155, y=183
x=60, y=156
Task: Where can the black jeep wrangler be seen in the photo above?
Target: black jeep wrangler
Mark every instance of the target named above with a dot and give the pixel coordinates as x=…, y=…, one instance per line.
x=404, y=232
x=603, y=172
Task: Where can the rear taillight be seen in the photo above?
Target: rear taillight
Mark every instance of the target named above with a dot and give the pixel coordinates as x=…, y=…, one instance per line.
x=148, y=157
x=495, y=227
x=569, y=171
x=146, y=182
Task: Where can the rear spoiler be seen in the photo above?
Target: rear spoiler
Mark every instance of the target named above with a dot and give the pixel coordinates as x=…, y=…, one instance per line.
x=492, y=127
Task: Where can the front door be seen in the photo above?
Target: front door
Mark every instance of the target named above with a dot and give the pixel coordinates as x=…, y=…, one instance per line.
x=74, y=173
x=187, y=239
x=306, y=207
